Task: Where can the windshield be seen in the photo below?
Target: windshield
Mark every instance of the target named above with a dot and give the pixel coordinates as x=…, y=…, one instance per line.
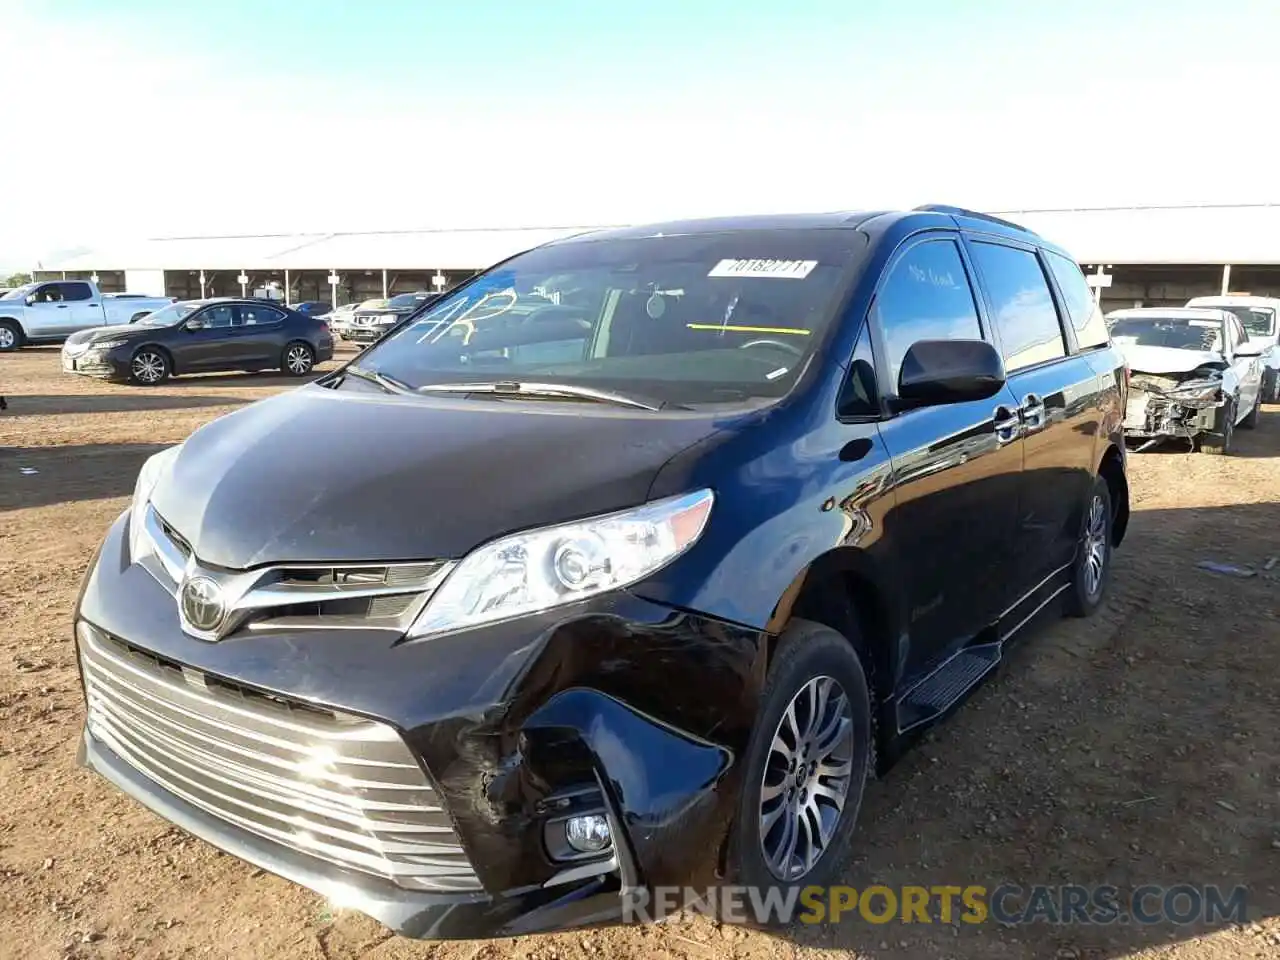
x=709, y=318
x=20, y=293
x=1179, y=332
x=1257, y=321
x=169, y=316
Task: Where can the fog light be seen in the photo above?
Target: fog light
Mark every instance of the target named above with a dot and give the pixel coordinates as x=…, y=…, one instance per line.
x=589, y=834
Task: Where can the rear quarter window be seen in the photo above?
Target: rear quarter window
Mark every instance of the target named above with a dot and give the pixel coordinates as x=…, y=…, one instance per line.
x=1086, y=317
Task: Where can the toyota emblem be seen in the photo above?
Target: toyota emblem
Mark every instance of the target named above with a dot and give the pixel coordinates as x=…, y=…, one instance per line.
x=202, y=603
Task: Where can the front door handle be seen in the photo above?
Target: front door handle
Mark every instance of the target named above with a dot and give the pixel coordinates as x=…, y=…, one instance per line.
x=1032, y=411
x=62, y=306
x=1008, y=424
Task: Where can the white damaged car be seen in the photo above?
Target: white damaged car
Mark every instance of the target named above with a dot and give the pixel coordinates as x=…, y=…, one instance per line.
x=1193, y=375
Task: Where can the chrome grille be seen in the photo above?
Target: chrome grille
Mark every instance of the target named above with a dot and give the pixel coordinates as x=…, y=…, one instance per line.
x=334, y=786
x=298, y=595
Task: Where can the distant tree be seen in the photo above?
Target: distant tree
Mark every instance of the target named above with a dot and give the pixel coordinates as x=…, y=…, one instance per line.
x=16, y=280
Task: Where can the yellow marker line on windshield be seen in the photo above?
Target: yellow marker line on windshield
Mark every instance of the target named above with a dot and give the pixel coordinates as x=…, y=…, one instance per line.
x=737, y=329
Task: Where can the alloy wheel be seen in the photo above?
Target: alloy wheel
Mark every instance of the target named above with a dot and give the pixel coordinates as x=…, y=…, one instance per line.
x=7, y=339
x=806, y=778
x=1095, y=546
x=298, y=359
x=148, y=367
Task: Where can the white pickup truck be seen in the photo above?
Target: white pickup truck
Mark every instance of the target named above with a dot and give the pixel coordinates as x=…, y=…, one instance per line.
x=51, y=310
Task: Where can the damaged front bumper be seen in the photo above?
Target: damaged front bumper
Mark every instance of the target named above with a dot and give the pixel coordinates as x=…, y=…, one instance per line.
x=1161, y=407
x=617, y=706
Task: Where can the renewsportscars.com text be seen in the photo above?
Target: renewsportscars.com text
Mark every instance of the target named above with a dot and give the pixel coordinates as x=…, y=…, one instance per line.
x=1008, y=904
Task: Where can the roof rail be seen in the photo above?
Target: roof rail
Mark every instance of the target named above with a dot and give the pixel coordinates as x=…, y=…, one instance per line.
x=974, y=214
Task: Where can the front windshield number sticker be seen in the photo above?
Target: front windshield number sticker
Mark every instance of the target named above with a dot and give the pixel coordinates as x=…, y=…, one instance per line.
x=773, y=269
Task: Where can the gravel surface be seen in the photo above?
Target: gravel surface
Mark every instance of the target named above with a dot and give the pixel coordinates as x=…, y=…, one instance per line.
x=1140, y=746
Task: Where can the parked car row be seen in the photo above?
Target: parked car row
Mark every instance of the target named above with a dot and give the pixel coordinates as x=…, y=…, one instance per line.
x=624, y=564
x=1198, y=372
x=368, y=321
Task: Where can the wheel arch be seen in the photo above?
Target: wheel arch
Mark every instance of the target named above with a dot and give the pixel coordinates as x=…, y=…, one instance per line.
x=16, y=322
x=841, y=589
x=1111, y=469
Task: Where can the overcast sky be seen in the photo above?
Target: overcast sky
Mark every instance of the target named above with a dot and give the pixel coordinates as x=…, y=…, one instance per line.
x=138, y=118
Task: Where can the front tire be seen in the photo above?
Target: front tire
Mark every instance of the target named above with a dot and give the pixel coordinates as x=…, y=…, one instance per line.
x=149, y=367
x=1092, y=570
x=1251, y=421
x=11, y=336
x=806, y=764
x=297, y=359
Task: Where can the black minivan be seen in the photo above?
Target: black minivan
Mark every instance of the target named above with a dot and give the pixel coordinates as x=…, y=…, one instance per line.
x=622, y=565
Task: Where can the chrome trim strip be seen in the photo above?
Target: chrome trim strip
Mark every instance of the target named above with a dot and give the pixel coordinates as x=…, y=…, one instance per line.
x=1040, y=606
x=248, y=592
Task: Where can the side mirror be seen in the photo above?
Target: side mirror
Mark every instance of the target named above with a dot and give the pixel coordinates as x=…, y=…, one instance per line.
x=936, y=372
x=1251, y=348
x=31, y=299
x=194, y=325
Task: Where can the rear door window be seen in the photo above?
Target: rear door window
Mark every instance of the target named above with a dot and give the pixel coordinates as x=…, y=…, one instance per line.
x=1083, y=312
x=1021, y=305
x=74, y=291
x=255, y=315
x=925, y=296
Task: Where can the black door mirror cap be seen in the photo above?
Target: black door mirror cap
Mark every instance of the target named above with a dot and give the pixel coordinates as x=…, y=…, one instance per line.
x=937, y=372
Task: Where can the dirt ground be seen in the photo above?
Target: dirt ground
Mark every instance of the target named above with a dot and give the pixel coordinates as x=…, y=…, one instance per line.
x=1141, y=746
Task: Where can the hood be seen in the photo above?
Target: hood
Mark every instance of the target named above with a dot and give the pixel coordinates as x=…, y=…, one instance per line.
x=318, y=475
x=119, y=331
x=1166, y=359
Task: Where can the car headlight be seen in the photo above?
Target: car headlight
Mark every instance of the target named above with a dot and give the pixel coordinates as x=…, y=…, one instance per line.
x=151, y=473
x=1196, y=390
x=106, y=344
x=540, y=569
x=385, y=319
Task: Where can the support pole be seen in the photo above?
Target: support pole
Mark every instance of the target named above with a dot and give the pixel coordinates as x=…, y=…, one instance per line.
x=203, y=294
x=1226, y=278
x=287, y=298
x=384, y=284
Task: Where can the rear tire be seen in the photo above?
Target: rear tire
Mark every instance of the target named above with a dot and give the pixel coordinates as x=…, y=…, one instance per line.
x=1218, y=443
x=1270, y=385
x=11, y=336
x=1092, y=570
x=149, y=367
x=806, y=765
x=297, y=359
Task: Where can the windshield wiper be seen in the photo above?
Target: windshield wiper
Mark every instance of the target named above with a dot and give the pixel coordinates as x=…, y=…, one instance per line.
x=521, y=388
x=389, y=384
